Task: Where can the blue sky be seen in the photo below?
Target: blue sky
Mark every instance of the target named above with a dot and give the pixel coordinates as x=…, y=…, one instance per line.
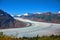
x=22, y=6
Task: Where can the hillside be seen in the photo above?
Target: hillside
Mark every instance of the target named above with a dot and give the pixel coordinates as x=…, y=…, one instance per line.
x=7, y=21
x=44, y=17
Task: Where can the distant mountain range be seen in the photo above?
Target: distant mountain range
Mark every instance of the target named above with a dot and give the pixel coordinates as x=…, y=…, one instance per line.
x=43, y=17
x=7, y=21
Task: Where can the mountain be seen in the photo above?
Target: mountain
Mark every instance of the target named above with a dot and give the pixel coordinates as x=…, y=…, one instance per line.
x=44, y=17
x=17, y=15
x=7, y=21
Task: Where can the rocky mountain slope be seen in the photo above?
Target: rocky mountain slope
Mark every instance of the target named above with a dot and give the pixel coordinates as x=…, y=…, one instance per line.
x=44, y=17
x=7, y=21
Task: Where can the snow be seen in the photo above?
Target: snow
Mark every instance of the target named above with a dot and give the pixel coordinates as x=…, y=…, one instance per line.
x=37, y=13
x=12, y=15
x=37, y=28
x=58, y=11
x=19, y=15
x=26, y=14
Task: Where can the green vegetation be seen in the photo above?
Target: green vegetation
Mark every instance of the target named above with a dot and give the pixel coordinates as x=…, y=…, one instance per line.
x=1, y=33
x=52, y=37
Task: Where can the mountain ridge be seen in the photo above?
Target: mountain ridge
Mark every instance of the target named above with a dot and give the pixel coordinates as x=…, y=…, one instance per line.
x=44, y=17
x=7, y=21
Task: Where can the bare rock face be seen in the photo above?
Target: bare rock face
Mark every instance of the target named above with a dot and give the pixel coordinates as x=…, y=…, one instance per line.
x=6, y=20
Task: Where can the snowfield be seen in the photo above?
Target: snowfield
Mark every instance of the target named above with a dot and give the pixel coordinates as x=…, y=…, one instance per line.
x=37, y=28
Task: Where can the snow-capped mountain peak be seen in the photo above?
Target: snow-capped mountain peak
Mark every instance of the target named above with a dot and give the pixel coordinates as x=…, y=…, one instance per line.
x=12, y=15
x=37, y=13
x=26, y=14
x=58, y=11
x=18, y=15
